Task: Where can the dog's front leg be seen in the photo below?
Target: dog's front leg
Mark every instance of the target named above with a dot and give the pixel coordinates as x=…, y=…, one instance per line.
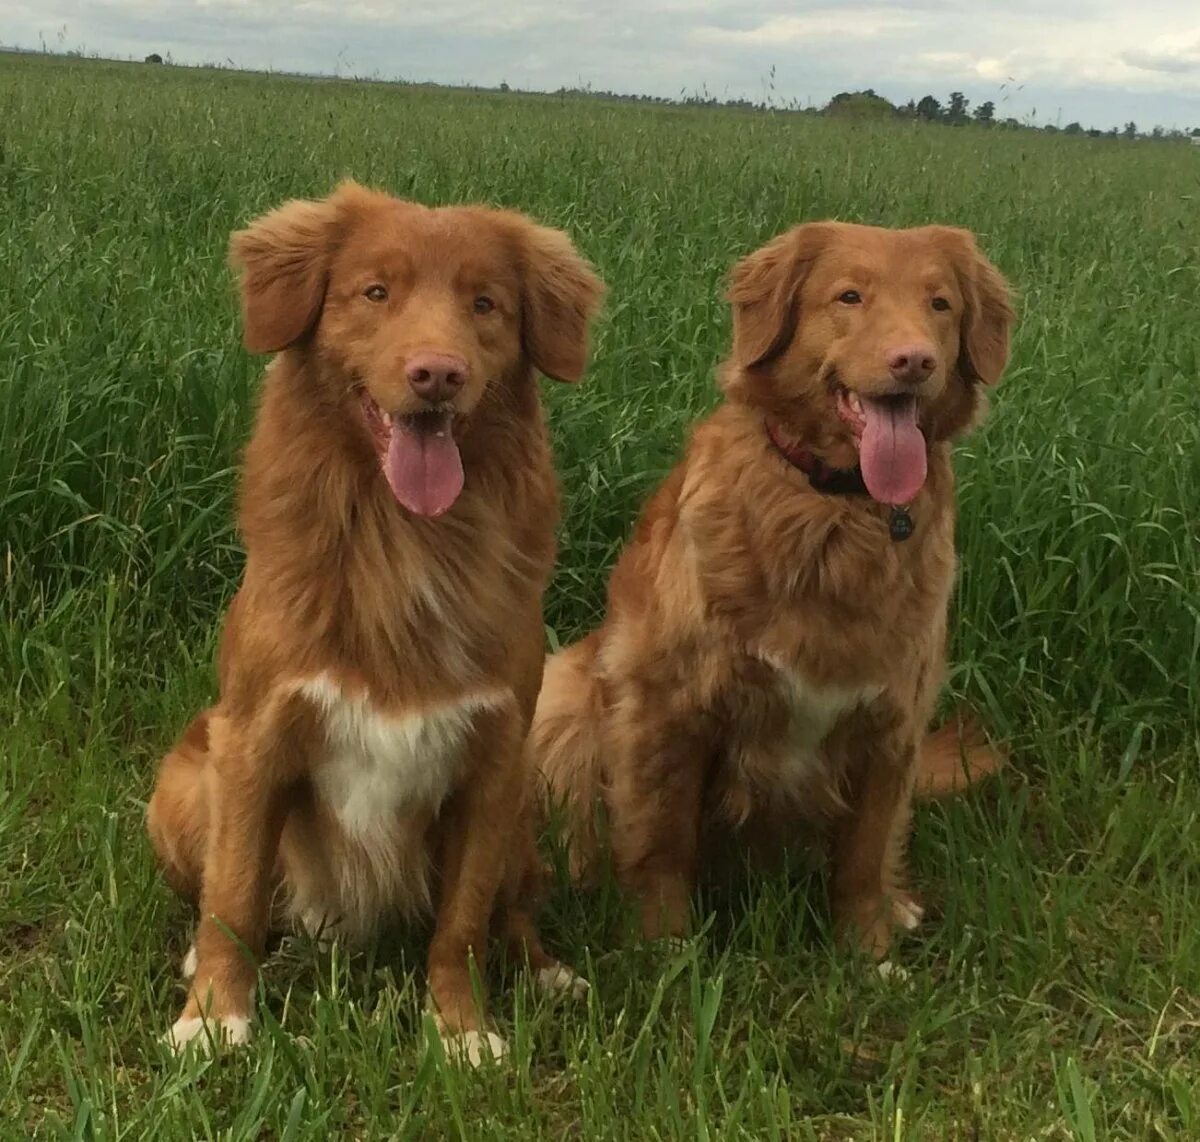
x=252, y=767
x=868, y=894
x=478, y=830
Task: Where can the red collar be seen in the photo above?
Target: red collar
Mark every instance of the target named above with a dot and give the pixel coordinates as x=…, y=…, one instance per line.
x=835, y=481
x=824, y=479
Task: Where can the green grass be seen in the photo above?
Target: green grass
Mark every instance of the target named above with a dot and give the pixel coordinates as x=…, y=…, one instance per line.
x=1055, y=994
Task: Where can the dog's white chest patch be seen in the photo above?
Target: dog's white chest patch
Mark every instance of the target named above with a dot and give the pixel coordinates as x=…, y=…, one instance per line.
x=815, y=710
x=377, y=764
x=776, y=750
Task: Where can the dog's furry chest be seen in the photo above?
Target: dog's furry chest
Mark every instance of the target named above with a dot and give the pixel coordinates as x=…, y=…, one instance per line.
x=382, y=778
x=375, y=765
x=812, y=711
x=778, y=730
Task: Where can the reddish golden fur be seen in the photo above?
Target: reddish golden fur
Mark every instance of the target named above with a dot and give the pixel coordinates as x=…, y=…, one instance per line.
x=769, y=654
x=347, y=596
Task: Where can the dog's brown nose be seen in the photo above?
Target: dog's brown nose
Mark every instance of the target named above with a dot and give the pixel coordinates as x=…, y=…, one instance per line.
x=912, y=364
x=436, y=377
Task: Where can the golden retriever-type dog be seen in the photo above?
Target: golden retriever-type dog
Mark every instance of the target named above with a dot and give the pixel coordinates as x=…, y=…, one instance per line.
x=774, y=640
x=382, y=658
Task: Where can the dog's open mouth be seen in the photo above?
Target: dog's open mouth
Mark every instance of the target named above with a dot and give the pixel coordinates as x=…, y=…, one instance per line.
x=418, y=455
x=891, y=446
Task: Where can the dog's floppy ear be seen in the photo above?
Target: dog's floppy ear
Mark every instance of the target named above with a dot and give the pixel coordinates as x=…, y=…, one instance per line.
x=283, y=258
x=561, y=297
x=988, y=316
x=764, y=288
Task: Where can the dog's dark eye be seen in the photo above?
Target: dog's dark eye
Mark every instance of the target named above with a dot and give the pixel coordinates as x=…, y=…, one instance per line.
x=484, y=304
x=850, y=297
x=940, y=304
x=375, y=292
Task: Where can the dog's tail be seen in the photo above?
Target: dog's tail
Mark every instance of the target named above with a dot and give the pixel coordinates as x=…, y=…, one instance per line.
x=564, y=747
x=955, y=756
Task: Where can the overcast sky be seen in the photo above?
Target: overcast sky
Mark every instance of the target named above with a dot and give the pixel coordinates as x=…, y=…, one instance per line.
x=1098, y=61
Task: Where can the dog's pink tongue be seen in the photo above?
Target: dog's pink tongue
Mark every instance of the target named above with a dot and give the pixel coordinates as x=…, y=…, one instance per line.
x=892, y=451
x=423, y=468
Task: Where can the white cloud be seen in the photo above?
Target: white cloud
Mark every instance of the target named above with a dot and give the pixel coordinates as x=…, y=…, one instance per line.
x=945, y=63
x=1178, y=56
x=811, y=27
x=991, y=69
x=1058, y=50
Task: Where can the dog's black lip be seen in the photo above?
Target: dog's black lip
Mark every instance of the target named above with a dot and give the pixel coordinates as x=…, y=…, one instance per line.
x=431, y=421
x=897, y=398
x=893, y=400
x=428, y=421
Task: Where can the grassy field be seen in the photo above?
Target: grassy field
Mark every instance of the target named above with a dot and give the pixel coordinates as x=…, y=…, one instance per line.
x=1055, y=994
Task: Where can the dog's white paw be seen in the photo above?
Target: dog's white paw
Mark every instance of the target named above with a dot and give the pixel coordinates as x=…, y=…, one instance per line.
x=232, y=1031
x=560, y=980
x=891, y=971
x=907, y=913
x=189, y=962
x=473, y=1047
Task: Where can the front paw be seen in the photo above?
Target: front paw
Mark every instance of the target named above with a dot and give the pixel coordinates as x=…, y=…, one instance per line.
x=907, y=911
x=472, y=1048
x=868, y=922
x=192, y=1030
x=217, y=1021
x=559, y=981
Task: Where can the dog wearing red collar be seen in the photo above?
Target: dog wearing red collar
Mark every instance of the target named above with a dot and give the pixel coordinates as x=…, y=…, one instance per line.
x=771, y=655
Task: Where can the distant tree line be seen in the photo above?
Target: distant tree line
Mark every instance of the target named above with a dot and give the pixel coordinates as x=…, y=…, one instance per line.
x=957, y=112
x=870, y=105
x=867, y=105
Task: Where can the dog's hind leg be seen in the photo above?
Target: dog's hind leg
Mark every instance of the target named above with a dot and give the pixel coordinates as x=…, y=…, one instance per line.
x=242, y=787
x=177, y=816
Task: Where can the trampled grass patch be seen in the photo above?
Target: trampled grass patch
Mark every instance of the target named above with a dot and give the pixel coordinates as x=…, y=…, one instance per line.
x=1056, y=992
